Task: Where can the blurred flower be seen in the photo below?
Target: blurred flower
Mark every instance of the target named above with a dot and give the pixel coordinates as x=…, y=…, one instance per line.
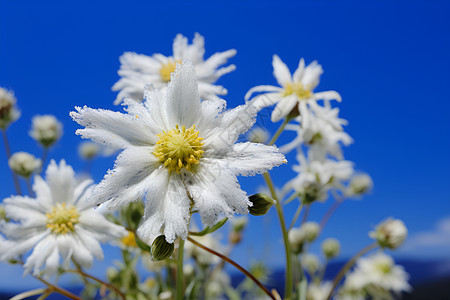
x=310, y=262
x=359, y=184
x=353, y=288
x=138, y=70
x=380, y=270
x=310, y=231
x=188, y=270
x=8, y=110
x=258, y=135
x=153, y=266
x=167, y=295
x=88, y=150
x=58, y=223
x=239, y=223
x=201, y=256
x=331, y=248
x=318, y=291
x=296, y=90
x=390, y=233
x=24, y=164
x=46, y=130
x=296, y=239
x=193, y=145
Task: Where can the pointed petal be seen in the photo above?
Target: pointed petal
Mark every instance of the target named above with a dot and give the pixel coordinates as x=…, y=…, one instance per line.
x=261, y=88
x=284, y=107
x=281, y=71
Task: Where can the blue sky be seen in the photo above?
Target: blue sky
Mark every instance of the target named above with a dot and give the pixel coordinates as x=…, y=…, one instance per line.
x=388, y=59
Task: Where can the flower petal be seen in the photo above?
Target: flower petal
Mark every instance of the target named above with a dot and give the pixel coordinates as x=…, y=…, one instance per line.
x=283, y=108
x=262, y=88
x=281, y=71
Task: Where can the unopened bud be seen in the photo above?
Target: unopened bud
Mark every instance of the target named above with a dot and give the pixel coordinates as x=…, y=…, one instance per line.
x=310, y=231
x=311, y=263
x=161, y=249
x=46, y=130
x=390, y=233
x=8, y=112
x=296, y=239
x=261, y=204
x=360, y=184
x=331, y=248
x=234, y=237
x=24, y=164
x=88, y=150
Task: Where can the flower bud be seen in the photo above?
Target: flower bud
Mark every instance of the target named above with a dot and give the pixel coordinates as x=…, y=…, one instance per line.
x=234, y=237
x=258, y=135
x=88, y=150
x=46, y=130
x=359, y=184
x=112, y=274
x=311, y=263
x=390, y=233
x=161, y=249
x=331, y=248
x=238, y=223
x=24, y=164
x=310, y=231
x=296, y=239
x=261, y=204
x=8, y=112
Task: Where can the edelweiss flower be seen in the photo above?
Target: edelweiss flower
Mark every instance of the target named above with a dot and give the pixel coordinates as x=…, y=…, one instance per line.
x=380, y=270
x=295, y=90
x=138, y=70
x=179, y=153
x=57, y=224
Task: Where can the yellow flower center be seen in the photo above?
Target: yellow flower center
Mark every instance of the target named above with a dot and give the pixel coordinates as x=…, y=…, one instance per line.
x=168, y=69
x=178, y=149
x=297, y=88
x=63, y=218
x=384, y=267
x=129, y=240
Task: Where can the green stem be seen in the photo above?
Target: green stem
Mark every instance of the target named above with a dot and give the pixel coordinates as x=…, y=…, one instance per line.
x=279, y=131
x=297, y=214
x=287, y=247
x=8, y=156
x=348, y=265
x=30, y=187
x=329, y=213
x=180, y=283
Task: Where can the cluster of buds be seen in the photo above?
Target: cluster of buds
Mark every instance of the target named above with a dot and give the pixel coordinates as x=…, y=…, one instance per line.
x=307, y=233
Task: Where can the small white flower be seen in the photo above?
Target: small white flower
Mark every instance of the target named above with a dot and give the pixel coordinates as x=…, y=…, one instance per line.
x=204, y=257
x=8, y=110
x=46, y=130
x=57, y=224
x=390, y=233
x=310, y=262
x=138, y=70
x=380, y=270
x=320, y=135
x=353, y=288
x=331, y=248
x=24, y=164
x=167, y=295
x=308, y=232
x=359, y=184
x=315, y=178
x=180, y=153
x=318, y=291
x=295, y=90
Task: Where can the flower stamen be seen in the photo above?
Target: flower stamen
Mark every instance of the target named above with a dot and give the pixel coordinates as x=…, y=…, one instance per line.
x=178, y=149
x=167, y=69
x=63, y=218
x=302, y=92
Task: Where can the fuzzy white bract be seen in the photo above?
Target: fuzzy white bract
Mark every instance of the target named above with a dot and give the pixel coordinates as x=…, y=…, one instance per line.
x=380, y=270
x=24, y=164
x=57, y=224
x=138, y=70
x=180, y=154
x=46, y=130
x=8, y=110
x=296, y=89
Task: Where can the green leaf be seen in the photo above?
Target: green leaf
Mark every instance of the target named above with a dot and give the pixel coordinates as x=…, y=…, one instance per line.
x=208, y=229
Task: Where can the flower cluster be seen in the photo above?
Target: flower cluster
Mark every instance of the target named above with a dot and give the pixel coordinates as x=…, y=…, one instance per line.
x=181, y=152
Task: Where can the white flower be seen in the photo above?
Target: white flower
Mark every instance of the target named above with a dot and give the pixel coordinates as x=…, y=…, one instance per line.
x=179, y=154
x=315, y=178
x=239, y=223
x=320, y=135
x=295, y=90
x=8, y=110
x=359, y=184
x=353, y=288
x=24, y=164
x=46, y=130
x=390, y=233
x=138, y=70
x=318, y=291
x=57, y=224
x=308, y=232
x=380, y=270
